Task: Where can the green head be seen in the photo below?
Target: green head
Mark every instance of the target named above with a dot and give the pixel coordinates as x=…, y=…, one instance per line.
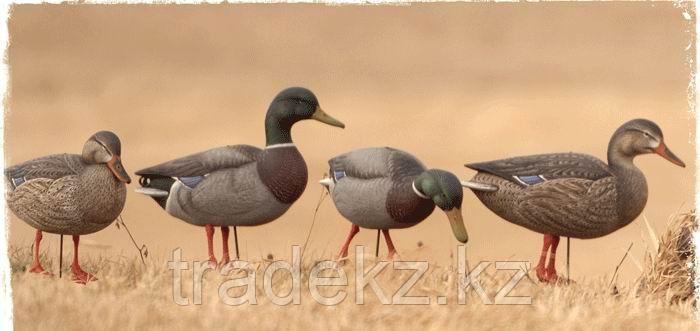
x=445, y=190
x=292, y=105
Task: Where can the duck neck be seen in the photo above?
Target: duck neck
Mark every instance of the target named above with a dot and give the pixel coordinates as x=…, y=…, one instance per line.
x=618, y=158
x=630, y=184
x=278, y=129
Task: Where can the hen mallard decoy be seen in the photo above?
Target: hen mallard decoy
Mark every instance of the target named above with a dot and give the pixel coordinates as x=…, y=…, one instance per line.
x=385, y=188
x=239, y=185
x=569, y=194
x=70, y=194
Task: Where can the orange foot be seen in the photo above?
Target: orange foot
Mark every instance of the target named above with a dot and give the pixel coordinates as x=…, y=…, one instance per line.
x=394, y=256
x=38, y=269
x=82, y=277
x=225, y=260
x=546, y=275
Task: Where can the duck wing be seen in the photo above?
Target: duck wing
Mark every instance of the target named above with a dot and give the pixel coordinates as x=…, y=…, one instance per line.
x=573, y=207
x=535, y=169
x=47, y=204
x=50, y=167
x=203, y=163
x=376, y=162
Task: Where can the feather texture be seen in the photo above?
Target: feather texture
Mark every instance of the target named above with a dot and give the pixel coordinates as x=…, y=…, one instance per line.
x=549, y=166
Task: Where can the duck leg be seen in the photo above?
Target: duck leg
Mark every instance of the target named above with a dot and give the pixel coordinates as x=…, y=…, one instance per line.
x=79, y=276
x=551, y=271
x=540, y=268
x=210, y=243
x=36, y=265
x=344, y=250
x=389, y=244
x=224, y=236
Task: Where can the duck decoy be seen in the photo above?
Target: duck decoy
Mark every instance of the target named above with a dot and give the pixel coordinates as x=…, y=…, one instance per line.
x=70, y=194
x=385, y=188
x=570, y=194
x=239, y=185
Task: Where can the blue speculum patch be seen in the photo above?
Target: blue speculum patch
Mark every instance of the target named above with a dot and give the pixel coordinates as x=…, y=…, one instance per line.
x=191, y=182
x=17, y=181
x=530, y=180
x=337, y=175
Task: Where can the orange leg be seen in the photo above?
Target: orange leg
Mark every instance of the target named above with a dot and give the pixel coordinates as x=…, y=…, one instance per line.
x=548, y=274
x=344, y=250
x=224, y=237
x=389, y=243
x=210, y=243
x=36, y=265
x=551, y=271
x=540, y=268
x=79, y=276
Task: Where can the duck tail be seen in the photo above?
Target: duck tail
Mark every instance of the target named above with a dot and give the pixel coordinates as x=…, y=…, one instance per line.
x=479, y=186
x=156, y=187
x=327, y=182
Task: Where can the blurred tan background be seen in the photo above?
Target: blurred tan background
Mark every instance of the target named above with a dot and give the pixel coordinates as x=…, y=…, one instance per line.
x=450, y=83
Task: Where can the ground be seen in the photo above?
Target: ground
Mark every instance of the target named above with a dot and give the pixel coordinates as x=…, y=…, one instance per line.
x=129, y=295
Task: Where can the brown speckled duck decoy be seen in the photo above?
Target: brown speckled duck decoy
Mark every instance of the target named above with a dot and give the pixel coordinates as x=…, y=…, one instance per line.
x=70, y=194
x=569, y=194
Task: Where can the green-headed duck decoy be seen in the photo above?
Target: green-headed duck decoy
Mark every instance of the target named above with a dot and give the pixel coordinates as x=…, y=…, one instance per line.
x=70, y=194
x=385, y=188
x=569, y=194
x=239, y=185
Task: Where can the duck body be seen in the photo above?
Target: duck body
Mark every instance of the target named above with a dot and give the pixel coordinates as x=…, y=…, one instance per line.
x=562, y=194
x=569, y=194
x=373, y=188
x=70, y=194
x=237, y=185
x=62, y=194
x=384, y=188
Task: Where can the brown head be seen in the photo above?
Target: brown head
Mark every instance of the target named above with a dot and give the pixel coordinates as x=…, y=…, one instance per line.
x=104, y=147
x=636, y=137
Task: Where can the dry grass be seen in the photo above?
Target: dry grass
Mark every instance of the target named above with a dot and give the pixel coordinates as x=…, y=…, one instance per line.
x=130, y=295
x=669, y=274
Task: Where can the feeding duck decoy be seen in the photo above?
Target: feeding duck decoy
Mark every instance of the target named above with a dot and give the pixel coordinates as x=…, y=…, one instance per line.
x=385, y=188
x=239, y=185
x=569, y=194
x=70, y=194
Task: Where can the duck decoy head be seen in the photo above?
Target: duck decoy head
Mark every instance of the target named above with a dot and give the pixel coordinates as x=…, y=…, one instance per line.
x=641, y=136
x=104, y=147
x=297, y=103
x=445, y=190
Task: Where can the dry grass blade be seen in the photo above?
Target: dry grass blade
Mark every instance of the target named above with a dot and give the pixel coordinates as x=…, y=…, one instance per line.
x=652, y=234
x=143, y=250
x=619, y=264
x=669, y=276
x=324, y=192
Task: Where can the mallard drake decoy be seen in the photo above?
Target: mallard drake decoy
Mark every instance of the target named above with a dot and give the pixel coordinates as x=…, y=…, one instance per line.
x=239, y=185
x=569, y=194
x=385, y=188
x=70, y=194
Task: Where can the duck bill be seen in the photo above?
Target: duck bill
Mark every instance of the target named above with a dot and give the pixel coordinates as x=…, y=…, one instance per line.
x=321, y=116
x=457, y=224
x=666, y=153
x=115, y=165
